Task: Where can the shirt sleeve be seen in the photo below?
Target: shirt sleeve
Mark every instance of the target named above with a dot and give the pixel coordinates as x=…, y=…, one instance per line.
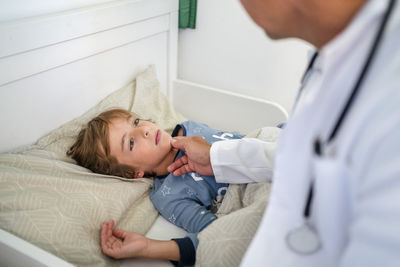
x=191, y=216
x=181, y=208
x=244, y=160
x=187, y=252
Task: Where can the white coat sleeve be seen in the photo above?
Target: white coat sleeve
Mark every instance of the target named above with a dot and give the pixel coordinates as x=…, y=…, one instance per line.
x=244, y=160
x=374, y=233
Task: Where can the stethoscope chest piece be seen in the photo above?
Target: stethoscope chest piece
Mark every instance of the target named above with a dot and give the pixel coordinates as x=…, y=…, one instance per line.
x=303, y=239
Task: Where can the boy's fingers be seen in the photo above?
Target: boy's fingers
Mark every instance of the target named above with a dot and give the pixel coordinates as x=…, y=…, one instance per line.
x=104, y=236
x=103, y=231
x=119, y=233
x=106, y=230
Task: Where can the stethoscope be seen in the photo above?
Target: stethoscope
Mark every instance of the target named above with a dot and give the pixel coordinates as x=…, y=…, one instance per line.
x=305, y=239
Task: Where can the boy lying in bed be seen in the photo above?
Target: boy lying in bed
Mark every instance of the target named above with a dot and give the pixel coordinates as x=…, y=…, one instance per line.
x=118, y=143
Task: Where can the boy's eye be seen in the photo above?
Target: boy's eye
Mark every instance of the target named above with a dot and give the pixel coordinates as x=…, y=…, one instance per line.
x=131, y=144
x=136, y=122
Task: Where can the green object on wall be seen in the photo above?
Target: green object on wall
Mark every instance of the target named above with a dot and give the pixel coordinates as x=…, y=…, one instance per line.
x=187, y=14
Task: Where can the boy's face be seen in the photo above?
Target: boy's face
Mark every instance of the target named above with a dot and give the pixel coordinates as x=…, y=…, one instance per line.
x=140, y=144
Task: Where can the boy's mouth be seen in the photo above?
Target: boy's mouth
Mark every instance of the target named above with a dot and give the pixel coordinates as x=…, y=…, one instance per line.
x=158, y=136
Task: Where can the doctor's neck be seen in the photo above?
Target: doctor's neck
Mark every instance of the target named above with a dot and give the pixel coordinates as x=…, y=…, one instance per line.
x=321, y=21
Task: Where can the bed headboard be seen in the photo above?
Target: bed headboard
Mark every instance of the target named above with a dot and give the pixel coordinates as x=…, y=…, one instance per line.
x=55, y=67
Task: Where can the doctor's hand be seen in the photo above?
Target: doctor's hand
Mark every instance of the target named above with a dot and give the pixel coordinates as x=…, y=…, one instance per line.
x=121, y=244
x=197, y=158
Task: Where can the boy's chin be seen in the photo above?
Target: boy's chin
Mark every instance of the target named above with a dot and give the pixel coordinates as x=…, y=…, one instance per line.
x=168, y=141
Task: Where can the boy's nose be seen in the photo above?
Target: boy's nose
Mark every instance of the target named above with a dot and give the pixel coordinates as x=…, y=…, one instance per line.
x=146, y=132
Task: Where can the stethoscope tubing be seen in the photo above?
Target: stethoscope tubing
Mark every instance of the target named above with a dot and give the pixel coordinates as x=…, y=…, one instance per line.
x=356, y=89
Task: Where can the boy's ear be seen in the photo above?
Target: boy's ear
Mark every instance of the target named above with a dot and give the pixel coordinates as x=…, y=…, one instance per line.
x=139, y=174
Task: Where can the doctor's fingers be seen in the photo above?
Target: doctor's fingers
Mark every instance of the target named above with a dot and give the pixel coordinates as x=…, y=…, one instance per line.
x=180, y=166
x=196, y=147
x=179, y=142
x=192, y=145
x=182, y=170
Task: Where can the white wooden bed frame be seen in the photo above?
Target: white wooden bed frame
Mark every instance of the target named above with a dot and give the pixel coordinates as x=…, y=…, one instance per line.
x=55, y=67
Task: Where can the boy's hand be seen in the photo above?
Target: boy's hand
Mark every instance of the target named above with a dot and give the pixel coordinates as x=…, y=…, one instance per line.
x=197, y=158
x=120, y=244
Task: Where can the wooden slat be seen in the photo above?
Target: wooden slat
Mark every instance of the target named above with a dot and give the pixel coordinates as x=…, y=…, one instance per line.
x=54, y=68
x=32, y=33
x=26, y=64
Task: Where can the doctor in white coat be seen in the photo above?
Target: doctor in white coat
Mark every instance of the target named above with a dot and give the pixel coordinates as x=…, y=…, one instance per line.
x=335, y=198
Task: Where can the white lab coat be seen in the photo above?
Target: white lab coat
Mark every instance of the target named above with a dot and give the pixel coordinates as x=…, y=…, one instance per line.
x=356, y=204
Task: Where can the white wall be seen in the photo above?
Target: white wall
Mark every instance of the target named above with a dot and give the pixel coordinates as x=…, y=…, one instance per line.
x=228, y=51
x=15, y=9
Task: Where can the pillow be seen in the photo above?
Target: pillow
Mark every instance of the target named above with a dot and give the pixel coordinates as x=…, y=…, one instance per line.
x=46, y=199
x=141, y=96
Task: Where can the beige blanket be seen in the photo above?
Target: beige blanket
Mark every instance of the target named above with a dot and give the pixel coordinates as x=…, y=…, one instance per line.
x=60, y=207
x=224, y=242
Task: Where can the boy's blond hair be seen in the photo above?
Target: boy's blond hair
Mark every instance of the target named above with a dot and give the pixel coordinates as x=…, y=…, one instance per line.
x=92, y=147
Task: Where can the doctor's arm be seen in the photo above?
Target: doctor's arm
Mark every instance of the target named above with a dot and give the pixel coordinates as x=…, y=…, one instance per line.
x=242, y=161
x=236, y=161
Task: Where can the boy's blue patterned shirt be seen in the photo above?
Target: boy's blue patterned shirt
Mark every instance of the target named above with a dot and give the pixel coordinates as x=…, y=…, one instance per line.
x=186, y=200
